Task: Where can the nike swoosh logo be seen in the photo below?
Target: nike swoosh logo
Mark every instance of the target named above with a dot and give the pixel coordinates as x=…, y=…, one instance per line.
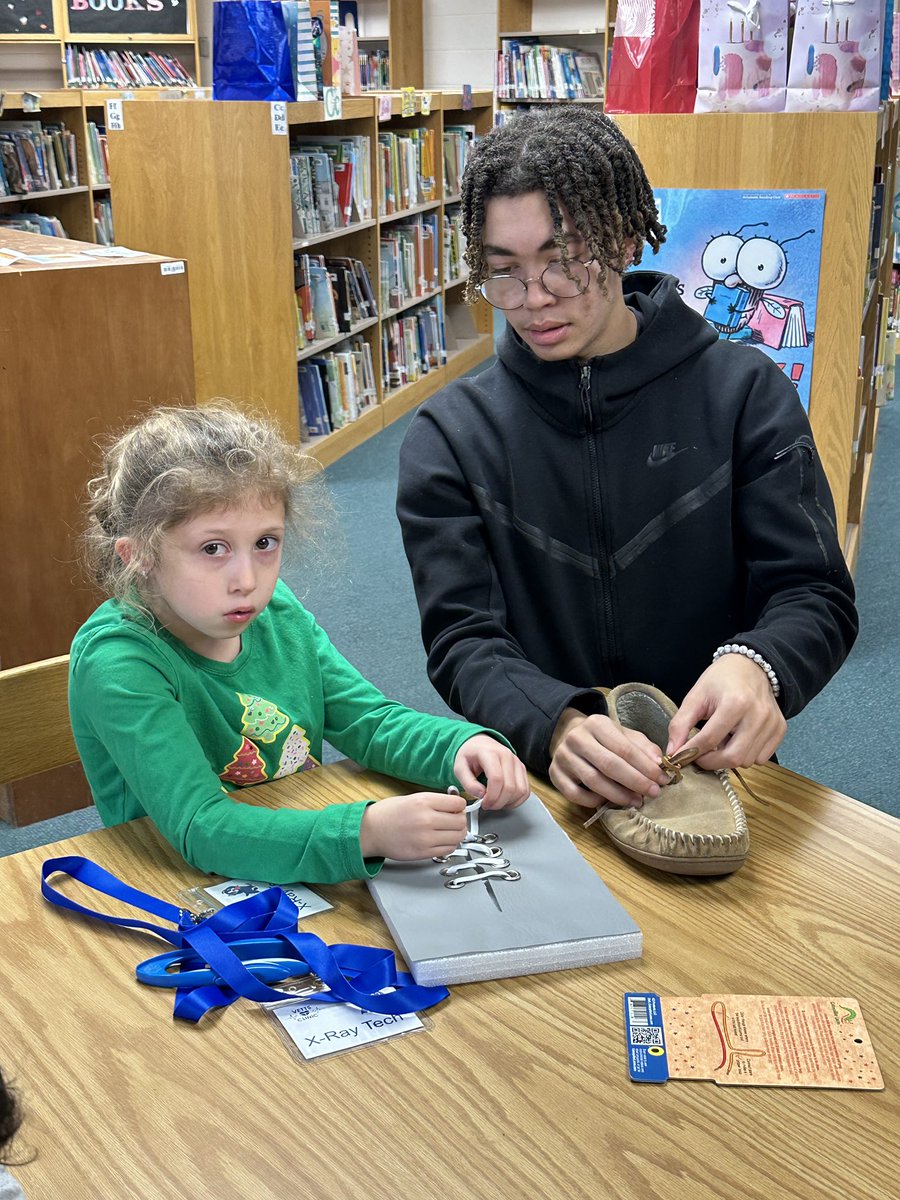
x=659, y=462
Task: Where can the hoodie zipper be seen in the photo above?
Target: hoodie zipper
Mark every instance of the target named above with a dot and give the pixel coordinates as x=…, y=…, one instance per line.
x=605, y=633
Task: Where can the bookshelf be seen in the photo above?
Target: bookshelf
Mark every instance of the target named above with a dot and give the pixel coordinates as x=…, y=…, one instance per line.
x=54, y=403
x=837, y=152
x=37, y=38
x=394, y=26
x=210, y=183
x=581, y=25
x=73, y=205
x=74, y=108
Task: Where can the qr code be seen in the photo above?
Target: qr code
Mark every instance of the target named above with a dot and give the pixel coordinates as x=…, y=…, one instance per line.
x=650, y=1035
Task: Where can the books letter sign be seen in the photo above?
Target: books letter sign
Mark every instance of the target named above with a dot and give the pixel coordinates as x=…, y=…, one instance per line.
x=127, y=16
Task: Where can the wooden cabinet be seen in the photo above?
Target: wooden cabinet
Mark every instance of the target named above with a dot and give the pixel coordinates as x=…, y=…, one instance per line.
x=88, y=344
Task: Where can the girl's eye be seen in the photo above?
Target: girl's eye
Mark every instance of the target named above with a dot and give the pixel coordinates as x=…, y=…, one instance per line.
x=213, y=549
x=267, y=543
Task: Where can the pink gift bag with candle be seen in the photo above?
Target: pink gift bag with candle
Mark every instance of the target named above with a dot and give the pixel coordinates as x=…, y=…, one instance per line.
x=742, y=65
x=836, y=56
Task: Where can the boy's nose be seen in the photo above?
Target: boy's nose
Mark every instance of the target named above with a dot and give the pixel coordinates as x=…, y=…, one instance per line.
x=536, y=295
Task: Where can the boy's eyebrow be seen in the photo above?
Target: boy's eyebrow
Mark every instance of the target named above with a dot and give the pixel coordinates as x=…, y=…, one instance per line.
x=502, y=252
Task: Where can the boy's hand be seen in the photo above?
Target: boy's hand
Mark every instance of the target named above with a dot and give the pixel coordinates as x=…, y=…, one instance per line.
x=596, y=761
x=423, y=825
x=744, y=724
x=507, y=779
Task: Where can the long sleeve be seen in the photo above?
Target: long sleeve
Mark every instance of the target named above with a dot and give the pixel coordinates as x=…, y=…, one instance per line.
x=142, y=755
x=382, y=734
x=784, y=520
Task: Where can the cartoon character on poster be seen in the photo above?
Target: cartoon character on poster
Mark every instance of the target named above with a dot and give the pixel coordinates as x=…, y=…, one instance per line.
x=749, y=263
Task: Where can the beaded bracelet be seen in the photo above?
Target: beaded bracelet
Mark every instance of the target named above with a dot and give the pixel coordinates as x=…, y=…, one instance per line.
x=748, y=652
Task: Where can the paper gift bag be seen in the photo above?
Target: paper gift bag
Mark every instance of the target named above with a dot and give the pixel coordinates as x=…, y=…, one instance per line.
x=836, y=56
x=654, y=57
x=251, y=51
x=742, y=60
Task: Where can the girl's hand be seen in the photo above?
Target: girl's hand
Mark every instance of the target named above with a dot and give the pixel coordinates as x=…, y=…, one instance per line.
x=507, y=779
x=423, y=825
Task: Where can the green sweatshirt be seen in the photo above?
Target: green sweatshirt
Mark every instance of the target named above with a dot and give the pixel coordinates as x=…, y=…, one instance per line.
x=166, y=733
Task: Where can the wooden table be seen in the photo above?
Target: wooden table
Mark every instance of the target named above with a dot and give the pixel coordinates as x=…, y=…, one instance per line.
x=521, y=1087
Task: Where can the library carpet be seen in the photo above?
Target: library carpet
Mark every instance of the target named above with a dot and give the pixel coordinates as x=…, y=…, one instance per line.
x=361, y=592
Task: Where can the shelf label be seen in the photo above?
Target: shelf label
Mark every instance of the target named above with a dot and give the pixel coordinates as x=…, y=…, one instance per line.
x=407, y=102
x=425, y=105
x=279, y=117
x=466, y=97
x=332, y=104
x=384, y=107
x=115, y=115
x=171, y=268
x=31, y=102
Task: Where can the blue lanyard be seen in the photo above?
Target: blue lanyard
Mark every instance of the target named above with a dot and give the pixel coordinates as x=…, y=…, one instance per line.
x=215, y=954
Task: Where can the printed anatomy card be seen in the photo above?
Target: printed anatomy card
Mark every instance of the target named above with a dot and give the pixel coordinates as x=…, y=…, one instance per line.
x=770, y=1041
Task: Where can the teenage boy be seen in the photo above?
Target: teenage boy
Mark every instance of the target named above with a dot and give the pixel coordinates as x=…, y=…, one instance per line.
x=622, y=496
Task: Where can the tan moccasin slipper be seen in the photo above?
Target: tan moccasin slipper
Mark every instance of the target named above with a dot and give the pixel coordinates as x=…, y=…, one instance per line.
x=696, y=825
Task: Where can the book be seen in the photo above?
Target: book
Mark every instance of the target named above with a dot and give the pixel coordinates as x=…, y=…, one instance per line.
x=312, y=400
x=558, y=913
x=781, y=322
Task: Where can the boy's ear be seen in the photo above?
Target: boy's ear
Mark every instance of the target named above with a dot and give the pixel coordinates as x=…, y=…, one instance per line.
x=627, y=253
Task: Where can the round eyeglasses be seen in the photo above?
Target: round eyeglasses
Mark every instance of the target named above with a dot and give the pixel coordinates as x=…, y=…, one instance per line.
x=560, y=279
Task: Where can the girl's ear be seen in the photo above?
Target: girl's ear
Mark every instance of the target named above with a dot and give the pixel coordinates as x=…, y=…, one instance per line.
x=125, y=549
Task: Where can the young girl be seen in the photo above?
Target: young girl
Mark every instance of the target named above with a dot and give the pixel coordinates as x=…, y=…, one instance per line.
x=203, y=673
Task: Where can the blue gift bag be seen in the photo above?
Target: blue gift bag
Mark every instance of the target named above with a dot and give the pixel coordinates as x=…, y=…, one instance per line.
x=251, y=51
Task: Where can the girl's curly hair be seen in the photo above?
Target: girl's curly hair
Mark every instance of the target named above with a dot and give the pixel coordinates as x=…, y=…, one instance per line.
x=176, y=464
x=580, y=160
x=10, y=1120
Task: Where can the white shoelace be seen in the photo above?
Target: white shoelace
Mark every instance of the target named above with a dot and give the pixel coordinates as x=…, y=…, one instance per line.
x=488, y=862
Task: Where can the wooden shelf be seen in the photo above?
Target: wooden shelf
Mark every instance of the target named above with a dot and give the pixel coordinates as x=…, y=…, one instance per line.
x=407, y=304
x=326, y=343
x=540, y=34
x=332, y=446
x=310, y=112
x=430, y=206
x=468, y=354
x=315, y=238
x=400, y=400
x=153, y=40
x=27, y=197
x=534, y=100
x=47, y=99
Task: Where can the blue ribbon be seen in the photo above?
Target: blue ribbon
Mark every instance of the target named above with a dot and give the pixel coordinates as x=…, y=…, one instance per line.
x=215, y=955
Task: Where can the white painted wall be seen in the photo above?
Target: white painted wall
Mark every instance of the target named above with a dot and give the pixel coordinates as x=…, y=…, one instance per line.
x=460, y=42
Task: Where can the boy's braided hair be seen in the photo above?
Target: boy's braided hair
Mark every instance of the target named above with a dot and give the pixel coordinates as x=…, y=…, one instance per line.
x=579, y=159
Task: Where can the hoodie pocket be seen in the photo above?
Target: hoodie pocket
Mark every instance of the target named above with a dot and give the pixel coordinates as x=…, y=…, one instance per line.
x=802, y=454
